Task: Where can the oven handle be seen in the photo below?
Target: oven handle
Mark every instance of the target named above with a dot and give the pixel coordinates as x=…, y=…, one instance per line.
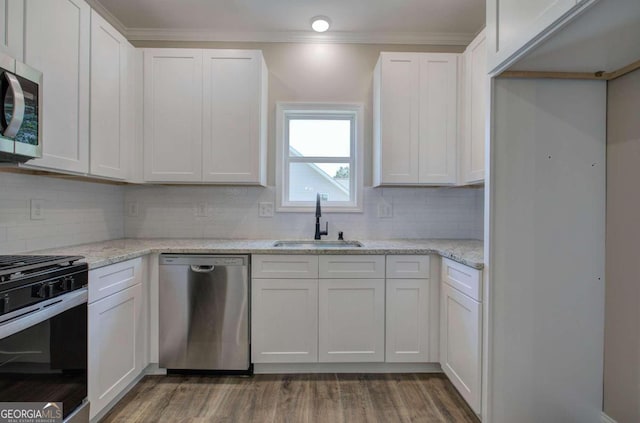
x=18, y=106
x=43, y=311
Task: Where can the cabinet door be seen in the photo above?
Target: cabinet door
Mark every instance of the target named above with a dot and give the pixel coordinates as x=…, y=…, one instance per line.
x=116, y=345
x=234, y=126
x=438, y=118
x=12, y=28
x=397, y=115
x=407, y=321
x=284, y=320
x=351, y=320
x=173, y=115
x=511, y=24
x=109, y=96
x=460, y=346
x=473, y=128
x=57, y=41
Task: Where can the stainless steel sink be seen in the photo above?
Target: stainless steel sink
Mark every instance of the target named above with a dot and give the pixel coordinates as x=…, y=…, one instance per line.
x=317, y=244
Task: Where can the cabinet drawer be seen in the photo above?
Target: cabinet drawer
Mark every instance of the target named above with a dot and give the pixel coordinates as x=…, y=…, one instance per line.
x=108, y=280
x=408, y=267
x=463, y=278
x=284, y=266
x=351, y=267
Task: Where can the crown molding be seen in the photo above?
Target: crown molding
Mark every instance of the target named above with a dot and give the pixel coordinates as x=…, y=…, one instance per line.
x=159, y=34
x=108, y=16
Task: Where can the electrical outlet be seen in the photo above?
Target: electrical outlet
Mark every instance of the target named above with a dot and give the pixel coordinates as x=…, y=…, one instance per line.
x=265, y=210
x=37, y=209
x=132, y=209
x=385, y=209
x=201, y=210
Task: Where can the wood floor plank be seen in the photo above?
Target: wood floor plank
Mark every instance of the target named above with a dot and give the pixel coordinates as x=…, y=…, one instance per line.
x=326, y=401
x=356, y=402
x=317, y=398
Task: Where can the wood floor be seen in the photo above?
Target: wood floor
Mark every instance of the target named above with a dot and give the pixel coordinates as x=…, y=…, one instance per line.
x=330, y=398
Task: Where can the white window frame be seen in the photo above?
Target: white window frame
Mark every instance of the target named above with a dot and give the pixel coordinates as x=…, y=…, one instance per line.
x=284, y=111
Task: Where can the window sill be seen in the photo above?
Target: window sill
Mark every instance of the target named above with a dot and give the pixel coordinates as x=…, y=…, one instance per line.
x=312, y=209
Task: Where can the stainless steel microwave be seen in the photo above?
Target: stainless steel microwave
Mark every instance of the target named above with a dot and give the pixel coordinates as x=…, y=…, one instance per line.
x=20, y=111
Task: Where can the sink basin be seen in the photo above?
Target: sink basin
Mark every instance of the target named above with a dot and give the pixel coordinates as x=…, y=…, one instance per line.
x=318, y=244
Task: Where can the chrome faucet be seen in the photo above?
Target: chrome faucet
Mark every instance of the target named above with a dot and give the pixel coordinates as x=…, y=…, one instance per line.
x=319, y=233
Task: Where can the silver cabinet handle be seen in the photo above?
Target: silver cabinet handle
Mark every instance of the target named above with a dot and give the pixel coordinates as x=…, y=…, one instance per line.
x=18, y=106
x=202, y=269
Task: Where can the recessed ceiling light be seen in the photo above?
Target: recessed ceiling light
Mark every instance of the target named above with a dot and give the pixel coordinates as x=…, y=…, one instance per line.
x=320, y=23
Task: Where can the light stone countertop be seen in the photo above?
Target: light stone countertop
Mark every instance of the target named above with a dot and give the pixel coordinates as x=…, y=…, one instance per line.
x=98, y=254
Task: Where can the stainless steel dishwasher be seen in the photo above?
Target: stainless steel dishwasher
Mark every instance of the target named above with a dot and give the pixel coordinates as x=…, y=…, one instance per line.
x=204, y=312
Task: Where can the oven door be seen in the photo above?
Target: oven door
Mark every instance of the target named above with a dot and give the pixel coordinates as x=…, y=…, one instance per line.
x=43, y=353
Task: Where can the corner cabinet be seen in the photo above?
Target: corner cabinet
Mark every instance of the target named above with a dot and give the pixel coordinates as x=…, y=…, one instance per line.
x=112, y=130
x=63, y=58
x=475, y=95
x=205, y=116
x=461, y=330
x=416, y=119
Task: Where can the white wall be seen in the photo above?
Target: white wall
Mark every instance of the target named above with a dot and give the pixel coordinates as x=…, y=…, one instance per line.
x=547, y=239
x=622, y=320
x=75, y=212
x=169, y=211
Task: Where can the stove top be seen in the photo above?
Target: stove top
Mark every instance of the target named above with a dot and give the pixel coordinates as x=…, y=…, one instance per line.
x=11, y=265
x=28, y=280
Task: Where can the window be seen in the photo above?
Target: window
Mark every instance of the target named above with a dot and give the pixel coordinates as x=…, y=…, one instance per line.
x=319, y=151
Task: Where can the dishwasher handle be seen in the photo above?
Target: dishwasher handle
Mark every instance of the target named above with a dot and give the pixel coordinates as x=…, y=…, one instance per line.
x=202, y=268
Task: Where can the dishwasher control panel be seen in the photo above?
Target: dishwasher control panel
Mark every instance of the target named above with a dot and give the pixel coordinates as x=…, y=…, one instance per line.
x=203, y=260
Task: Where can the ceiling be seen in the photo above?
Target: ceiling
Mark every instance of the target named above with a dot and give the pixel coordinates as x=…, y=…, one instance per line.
x=374, y=21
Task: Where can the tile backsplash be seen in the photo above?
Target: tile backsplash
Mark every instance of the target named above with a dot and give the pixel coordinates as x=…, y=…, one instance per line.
x=73, y=212
x=233, y=212
x=76, y=212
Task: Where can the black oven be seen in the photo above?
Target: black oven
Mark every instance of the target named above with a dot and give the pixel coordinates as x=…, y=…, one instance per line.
x=43, y=338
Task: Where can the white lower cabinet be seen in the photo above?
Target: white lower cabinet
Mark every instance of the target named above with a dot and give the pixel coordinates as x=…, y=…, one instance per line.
x=117, y=331
x=460, y=339
x=407, y=321
x=284, y=321
x=351, y=320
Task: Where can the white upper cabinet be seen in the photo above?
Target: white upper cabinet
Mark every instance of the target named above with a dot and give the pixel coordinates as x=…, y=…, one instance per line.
x=513, y=24
x=438, y=118
x=415, y=119
x=396, y=121
x=110, y=100
x=234, y=123
x=476, y=83
x=12, y=28
x=205, y=116
x=57, y=41
x=173, y=115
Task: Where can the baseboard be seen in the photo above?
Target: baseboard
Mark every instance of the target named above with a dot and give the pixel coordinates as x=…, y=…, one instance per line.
x=606, y=419
x=278, y=368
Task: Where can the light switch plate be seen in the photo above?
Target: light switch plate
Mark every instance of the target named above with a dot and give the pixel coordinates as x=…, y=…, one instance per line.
x=201, y=210
x=132, y=209
x=385, y=209
x=265, y=209
x=37, y=209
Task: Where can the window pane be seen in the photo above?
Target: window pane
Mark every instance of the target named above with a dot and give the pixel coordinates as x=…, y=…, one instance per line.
x=331, y=180
x=319, y=137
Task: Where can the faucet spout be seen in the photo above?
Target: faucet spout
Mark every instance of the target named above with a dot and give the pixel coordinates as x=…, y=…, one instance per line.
x=318, y=210
x=319, y=233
